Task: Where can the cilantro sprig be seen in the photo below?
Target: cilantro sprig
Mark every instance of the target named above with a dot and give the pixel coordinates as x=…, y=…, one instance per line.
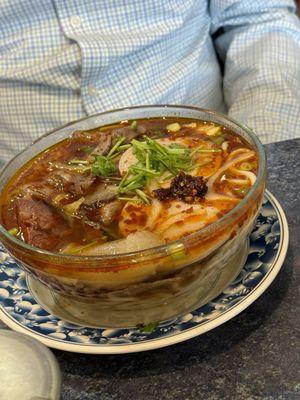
x=103, y=166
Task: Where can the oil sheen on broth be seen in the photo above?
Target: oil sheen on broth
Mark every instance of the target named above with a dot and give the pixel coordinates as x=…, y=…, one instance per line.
x=129, y=186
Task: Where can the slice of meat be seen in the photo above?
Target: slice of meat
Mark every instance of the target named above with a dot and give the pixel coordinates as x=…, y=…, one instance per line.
x=128, y=133
x=91, y=135
x=41, y=226
x=40, y=192
x=71, y=181
x=103, y=146
x=101, y=192
x=101, y=213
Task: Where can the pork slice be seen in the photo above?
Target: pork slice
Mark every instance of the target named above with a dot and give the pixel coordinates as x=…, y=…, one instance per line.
x=40, y=224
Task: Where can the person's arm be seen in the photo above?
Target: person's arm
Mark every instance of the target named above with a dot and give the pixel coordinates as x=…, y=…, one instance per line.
x=259, y=43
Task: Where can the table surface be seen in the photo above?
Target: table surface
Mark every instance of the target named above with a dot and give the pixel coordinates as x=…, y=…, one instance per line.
x=254, y=356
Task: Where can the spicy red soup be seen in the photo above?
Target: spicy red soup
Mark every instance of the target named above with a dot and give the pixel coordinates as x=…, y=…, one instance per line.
x=153, y=179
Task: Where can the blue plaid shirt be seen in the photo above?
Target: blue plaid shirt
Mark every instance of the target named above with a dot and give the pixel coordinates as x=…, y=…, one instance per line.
x=64, y=59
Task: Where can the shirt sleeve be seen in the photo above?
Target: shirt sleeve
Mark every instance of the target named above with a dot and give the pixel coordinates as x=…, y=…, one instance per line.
x=259, y=44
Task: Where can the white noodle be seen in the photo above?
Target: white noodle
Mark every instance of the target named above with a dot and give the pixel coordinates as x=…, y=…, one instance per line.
x=238, y=181
x=212, y=196
x=231, y=161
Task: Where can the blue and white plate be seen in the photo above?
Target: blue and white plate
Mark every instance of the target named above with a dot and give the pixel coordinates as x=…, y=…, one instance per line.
x=268, y=247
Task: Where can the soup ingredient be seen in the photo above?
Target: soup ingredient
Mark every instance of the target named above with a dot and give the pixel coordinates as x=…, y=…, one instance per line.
x=150, y=328
x=170, y=220
x=149, y=159
x=183, y=187
x=14, y=231
x=175, y=127
x=162, y=178
x=103, y=166
x=134, y=242
x=41, y=226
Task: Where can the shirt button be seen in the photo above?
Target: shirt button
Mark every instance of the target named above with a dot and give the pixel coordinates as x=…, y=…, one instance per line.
x=92, y=90
x=75, y=21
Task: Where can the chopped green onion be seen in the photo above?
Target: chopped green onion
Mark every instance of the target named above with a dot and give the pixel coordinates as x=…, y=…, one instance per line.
x=177, y=151
x=78, y=162
x=133, y=125
x=142, y=195
x=148, y=328
x=177, y=251
x=130, y=199
x=153, y=160
x=14, y=231
x=115, y=147
x=147, y=160
x=133, y=185
x=147, y=171
x=139, y=145
x=175, y=127
x=103, y=166
x=114, y=156
x=124, y=147
x=127, y=181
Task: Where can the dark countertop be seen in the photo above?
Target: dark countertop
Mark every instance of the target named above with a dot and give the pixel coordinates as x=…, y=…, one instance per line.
x=254, y=356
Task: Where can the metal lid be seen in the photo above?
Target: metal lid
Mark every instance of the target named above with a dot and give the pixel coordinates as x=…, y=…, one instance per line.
x=28, y=369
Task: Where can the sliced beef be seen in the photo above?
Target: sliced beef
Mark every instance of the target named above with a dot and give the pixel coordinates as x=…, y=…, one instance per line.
x=101, y=213
x=101, y=192
x=41, y=192
x=103, y=146
x=40, y=224
x=128, y=132
x=71, y=181
x=92, y=135
x=99, y=205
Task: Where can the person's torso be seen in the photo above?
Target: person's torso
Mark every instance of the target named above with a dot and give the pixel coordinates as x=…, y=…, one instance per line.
x=62, y=60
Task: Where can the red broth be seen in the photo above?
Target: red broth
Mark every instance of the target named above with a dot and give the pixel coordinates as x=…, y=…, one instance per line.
x=102, y=185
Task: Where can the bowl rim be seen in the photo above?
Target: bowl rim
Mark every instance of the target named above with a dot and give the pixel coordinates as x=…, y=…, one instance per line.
x=157, y=250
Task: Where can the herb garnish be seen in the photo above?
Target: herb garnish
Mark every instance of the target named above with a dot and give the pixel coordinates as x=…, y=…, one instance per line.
x=153, y=160
x=149, y=328
x=104, y=165
x=133, y=125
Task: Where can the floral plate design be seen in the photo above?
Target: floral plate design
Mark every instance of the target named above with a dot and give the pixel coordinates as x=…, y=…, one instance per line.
x=267, y=250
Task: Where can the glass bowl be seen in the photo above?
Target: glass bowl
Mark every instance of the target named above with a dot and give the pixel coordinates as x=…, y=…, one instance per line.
x=145, y=286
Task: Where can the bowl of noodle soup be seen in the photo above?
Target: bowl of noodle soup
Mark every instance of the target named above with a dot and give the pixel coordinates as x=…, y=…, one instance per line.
x=136, y=215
